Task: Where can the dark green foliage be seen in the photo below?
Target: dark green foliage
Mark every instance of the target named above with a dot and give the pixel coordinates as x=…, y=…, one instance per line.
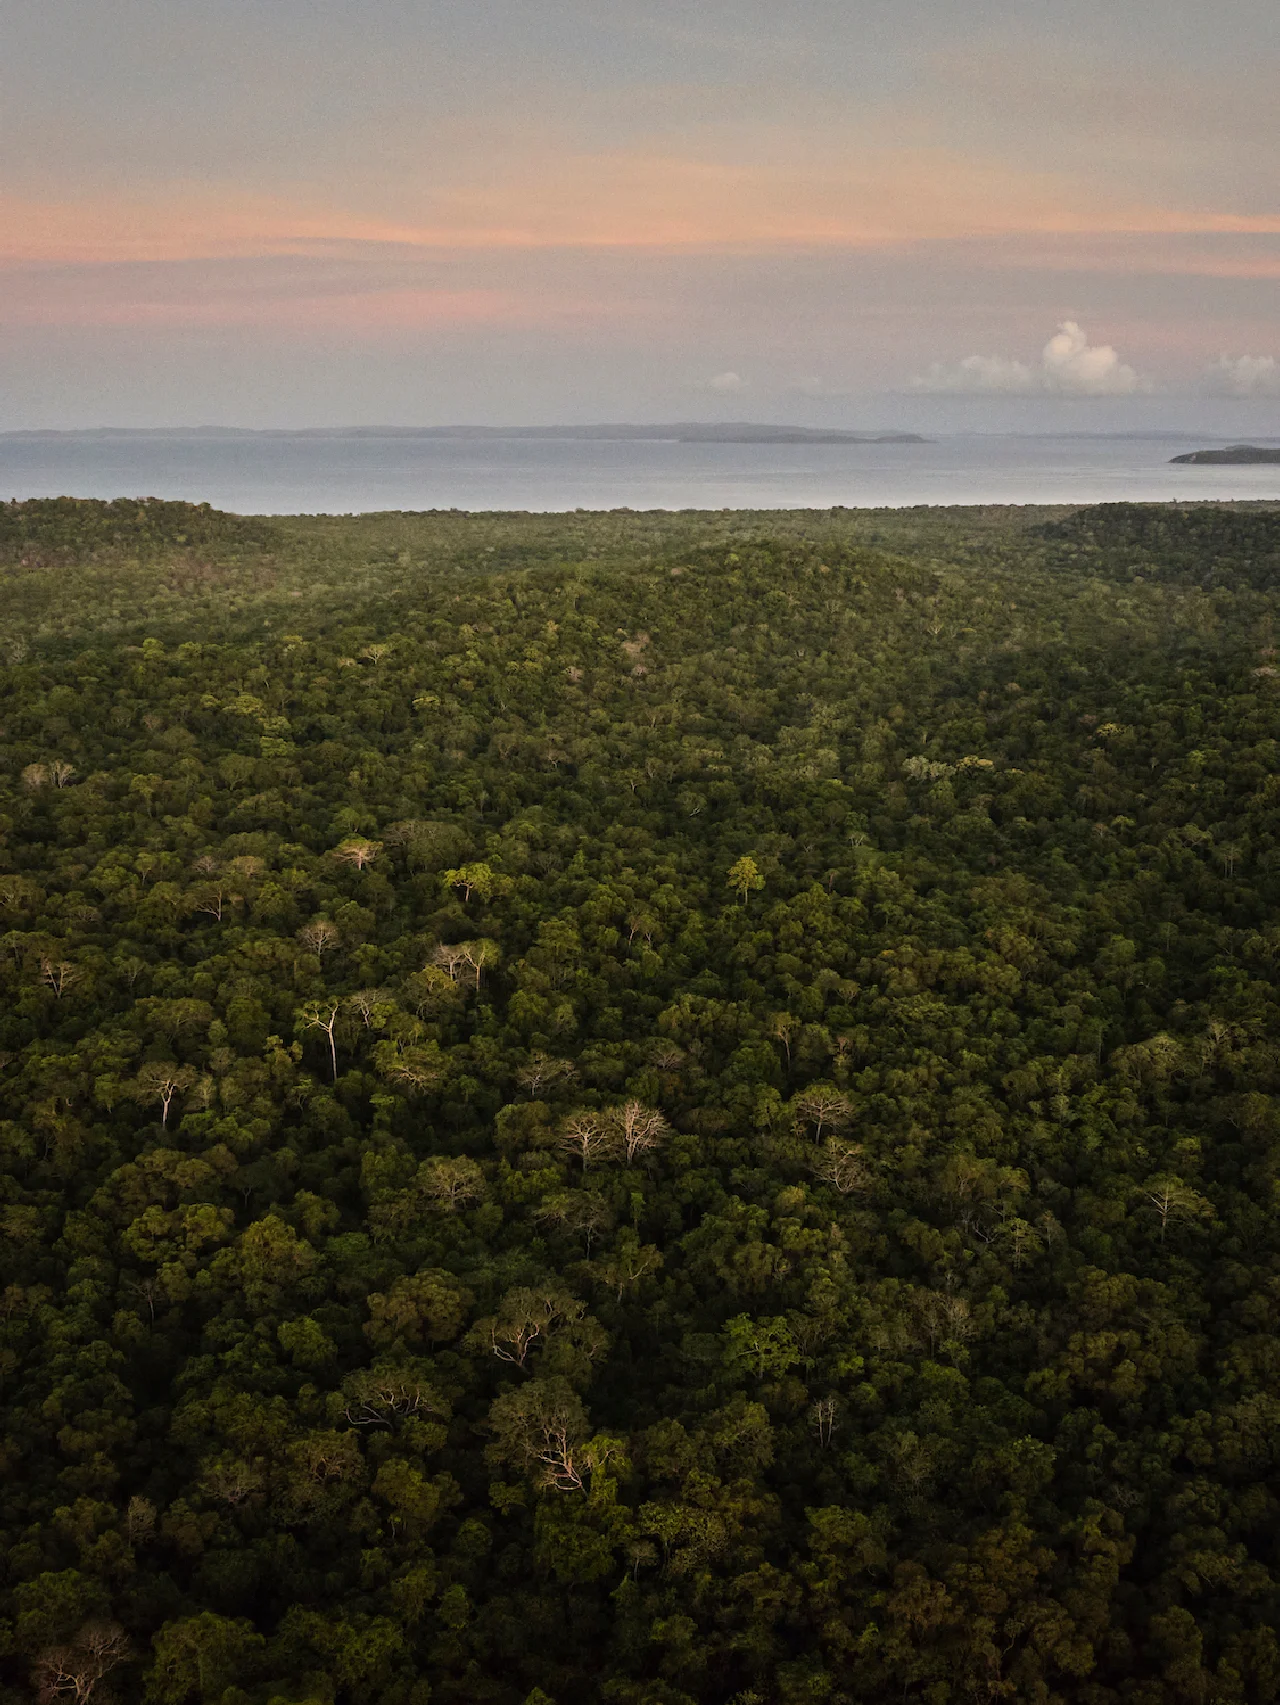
x=1235, y=547
x=76, y=530
x=641, y=1109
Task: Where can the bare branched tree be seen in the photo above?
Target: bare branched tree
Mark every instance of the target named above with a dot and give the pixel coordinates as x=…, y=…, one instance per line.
x=357, y=851
x=542, y=1426
x=629, y=1264
x=450, y=957
x=480, y=955
x=639, y=1128
x=823, y=1416
x=323, y=1015
x=58, y=975
x=74, y=1671
x=842, y=1166
x=542, y=1070
x=383, y=1397
x=319, y=937
x=825, y=1110
x=162, y=1080
x=408, y=1063
x=590, y=1137
x=581, y=1211
x=526, y=1317
x=368, y=1004
x=451, y=1183
x=232, y=1480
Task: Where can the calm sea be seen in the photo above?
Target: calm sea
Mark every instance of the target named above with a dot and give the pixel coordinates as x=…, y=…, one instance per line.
x=283, y=473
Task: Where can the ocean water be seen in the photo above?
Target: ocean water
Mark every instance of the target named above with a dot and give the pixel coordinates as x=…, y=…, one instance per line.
x=293, y=473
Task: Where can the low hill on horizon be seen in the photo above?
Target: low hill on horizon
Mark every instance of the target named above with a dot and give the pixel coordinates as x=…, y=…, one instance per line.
x=683, y=432
x=1235, y=455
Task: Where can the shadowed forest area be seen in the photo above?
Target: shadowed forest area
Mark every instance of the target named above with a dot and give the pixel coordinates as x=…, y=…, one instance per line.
x=654, y=1109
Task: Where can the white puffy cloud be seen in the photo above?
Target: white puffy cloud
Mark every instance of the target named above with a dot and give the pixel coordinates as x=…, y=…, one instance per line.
x=1243, y=376
x=727, y=383
x=1069, y=366
x=988, y=374
x=1071, y=363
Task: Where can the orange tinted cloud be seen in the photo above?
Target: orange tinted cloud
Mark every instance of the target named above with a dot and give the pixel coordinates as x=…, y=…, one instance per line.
x=196, y=226
x=627, y=199
x=242, y=296
x=372, y=309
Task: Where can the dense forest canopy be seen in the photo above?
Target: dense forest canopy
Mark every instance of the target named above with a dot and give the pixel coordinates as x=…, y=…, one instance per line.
x=641, y=1108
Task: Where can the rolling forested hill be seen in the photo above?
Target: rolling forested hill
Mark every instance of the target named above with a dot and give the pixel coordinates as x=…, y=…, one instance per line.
x=640, y=1108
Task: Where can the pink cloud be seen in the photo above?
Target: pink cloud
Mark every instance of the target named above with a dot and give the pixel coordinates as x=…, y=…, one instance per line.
x=866, y=198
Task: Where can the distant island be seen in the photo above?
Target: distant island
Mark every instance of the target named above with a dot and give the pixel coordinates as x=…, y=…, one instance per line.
x=1235, y=455
x=679, y=432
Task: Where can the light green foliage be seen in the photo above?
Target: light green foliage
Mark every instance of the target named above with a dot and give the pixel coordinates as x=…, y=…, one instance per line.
x=745, y=877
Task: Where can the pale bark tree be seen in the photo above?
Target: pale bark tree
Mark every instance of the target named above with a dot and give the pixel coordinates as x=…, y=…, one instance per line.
x=469, y=879
x=639, y=1128
x=587, y=1136
x=150, y=1291
x=640, y=923
x=450, y=957
x=580, y=1211
x=451, y=1183
x=323, y=1015
x=629, y=1265
x=58, y=975
x=480, y=956
x=944, y=1318
x=824, y=1109
x=431, y=991
x=247, y=867
x=211, y=900
x=667, y=1056
x=357, y=851
x=161, y=1081
x=319, y=937
x=371, y=1006
x=17, y=894
x=74, y=1671
x=232, y=1480
x=414, y=1066
x=1172, y=1198
x=911, y=1461
x=823, y=1418
x=543, y=1069
x=526, y=1317
x=542, y=1426
x=384, y=1397
x=842, y=1166
x=782, y=1027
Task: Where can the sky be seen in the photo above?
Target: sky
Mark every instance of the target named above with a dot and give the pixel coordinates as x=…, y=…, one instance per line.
x=938, y=214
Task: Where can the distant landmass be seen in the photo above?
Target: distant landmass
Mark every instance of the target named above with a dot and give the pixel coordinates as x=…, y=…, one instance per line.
x=679, y=432
x=1235, y=455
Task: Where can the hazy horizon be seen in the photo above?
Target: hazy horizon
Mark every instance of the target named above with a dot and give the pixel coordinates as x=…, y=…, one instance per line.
x=567, y=468
x=1227, y=421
